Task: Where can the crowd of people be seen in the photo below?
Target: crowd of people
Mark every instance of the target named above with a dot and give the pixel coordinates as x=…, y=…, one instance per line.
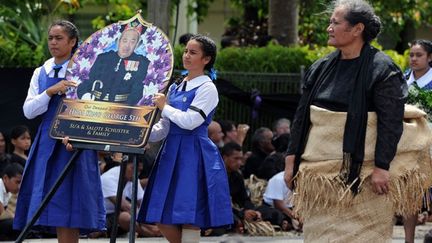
x=343, y=174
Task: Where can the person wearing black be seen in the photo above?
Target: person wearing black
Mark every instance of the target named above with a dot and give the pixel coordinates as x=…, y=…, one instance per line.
x=275, y=162
x=243, y=208
x=348, y=127
x=118, y=76
x=261, y=148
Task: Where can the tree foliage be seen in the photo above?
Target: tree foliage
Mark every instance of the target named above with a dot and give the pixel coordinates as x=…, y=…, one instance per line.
x=200, y=8
x=395, y=16
x=24, y=29
x=119, y=10
x=250, y=27
x=124, y=9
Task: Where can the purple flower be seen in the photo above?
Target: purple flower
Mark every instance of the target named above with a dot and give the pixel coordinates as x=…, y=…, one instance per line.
x=87, y=52
x=158, y=64
x=161, y=51
x=151, y=36
x=112, y=32
x=166, y=60
x=94, y=42
x=84, y=74
x=146, y=101
x=75, y=70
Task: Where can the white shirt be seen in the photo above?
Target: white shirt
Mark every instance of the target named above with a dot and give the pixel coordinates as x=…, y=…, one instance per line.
x=423, y=80
x=110, y=180
x=35, y=103
x=4, y=195
x=278, y=190
x=206, y=99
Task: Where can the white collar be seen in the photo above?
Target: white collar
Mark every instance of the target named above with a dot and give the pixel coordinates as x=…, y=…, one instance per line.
x=423, y=80
x=49, y=65
x=195, y=82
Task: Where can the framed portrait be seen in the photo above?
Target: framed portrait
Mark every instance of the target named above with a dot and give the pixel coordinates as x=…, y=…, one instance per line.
x=118, y=70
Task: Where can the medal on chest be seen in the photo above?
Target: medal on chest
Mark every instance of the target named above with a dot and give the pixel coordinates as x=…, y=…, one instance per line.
x=131, y=66
x=127, y=76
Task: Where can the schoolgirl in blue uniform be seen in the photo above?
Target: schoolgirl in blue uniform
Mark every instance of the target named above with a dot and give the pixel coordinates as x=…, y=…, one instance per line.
x=78, y=203
x=419, y=76
x=420, y=59
x=188, y=186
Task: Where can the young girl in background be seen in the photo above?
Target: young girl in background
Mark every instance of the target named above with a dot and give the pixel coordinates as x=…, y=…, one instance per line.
x=420, y=76
x=188, y=186
x=21, y=141
x=78, y=203
x=420, y=60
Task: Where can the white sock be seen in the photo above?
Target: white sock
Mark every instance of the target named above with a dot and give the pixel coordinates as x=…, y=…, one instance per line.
x=190, y=236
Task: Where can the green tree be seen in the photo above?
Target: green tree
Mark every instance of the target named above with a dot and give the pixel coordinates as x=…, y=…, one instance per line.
x=159, y=13
x=400, y=15
x=396, y=16
x=119, y=10
x=313, y=21
x=283, y=21
x=23, y=29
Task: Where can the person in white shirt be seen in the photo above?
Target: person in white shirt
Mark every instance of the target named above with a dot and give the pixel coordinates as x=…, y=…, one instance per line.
x=9, y=184
x=188, y=186
x=110, y=180
x=77, y=204
x=420, y=60
x=419, y=76
x=279, y=196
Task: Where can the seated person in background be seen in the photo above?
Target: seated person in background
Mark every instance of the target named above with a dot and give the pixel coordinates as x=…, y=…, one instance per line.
x=9, y=184
x=215, y=133
x=243, y=208
x=5, y=160
x=2, y=144
x=278, y=196
x=21, y=142
x=110, y=180
x=147, y=160
x=261, y=147
x=281, y=126
x=233, y=133
x=102, y=160
x=275, y=162
x=114, y=159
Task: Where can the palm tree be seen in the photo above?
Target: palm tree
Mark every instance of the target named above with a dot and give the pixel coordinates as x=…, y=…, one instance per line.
x=283, y=21
x=158, y=13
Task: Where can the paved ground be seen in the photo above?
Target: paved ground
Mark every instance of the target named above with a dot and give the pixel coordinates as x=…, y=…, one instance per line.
x=398, y=237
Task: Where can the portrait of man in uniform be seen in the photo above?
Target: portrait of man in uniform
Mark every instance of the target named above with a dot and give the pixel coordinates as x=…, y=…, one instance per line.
x=118, y=70
x=117, y=75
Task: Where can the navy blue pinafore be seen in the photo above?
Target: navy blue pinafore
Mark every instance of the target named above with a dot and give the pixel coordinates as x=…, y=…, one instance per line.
x=188, y=183
x=78, y=202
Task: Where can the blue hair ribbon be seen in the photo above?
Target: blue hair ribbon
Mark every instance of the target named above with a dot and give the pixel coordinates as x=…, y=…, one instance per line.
x=213, y=73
